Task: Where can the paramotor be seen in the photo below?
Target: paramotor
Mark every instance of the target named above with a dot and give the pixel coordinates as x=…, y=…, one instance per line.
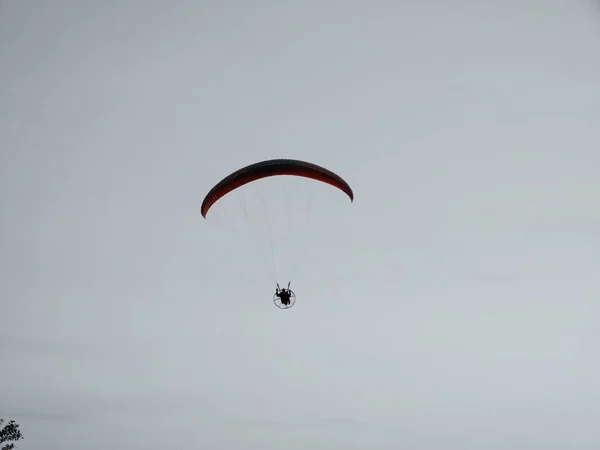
x=279, y=219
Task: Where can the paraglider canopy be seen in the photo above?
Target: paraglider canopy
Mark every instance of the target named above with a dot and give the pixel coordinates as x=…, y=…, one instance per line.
x=271, y=168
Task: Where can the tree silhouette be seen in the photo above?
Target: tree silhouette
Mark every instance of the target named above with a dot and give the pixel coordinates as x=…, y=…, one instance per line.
x=9, y=433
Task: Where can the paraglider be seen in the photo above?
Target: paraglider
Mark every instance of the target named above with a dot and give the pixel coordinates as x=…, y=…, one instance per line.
x=283, y=298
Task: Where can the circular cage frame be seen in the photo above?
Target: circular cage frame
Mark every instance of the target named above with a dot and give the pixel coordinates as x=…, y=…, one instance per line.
x=277, y=301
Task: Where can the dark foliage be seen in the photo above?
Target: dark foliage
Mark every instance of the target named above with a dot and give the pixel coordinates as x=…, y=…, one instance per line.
x=9, y=433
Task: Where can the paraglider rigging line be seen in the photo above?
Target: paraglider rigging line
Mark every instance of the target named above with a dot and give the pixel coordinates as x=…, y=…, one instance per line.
x=308, y=240
x=259, y=241
x=269, y=232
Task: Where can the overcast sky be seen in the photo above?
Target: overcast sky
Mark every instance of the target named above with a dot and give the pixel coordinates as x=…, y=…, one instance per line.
x=453, y=306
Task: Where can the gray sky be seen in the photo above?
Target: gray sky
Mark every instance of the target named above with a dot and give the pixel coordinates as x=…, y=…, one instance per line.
x=453, y=306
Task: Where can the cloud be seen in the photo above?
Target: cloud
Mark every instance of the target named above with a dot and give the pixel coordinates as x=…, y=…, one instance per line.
x=515, y=277
x=32, y=415
x=14, y=345
x=331, y=423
